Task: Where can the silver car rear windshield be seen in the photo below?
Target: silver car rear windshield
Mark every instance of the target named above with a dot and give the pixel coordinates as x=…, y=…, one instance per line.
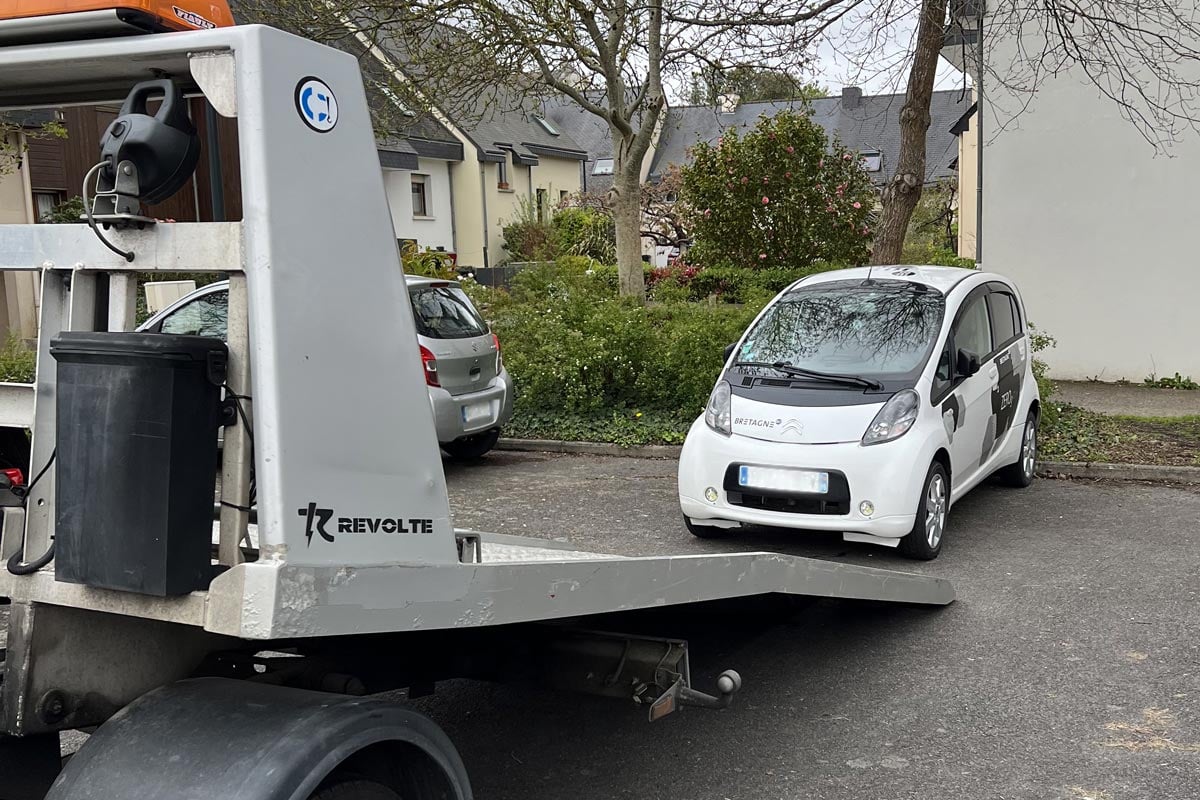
x=872, y=330
x=444, y=312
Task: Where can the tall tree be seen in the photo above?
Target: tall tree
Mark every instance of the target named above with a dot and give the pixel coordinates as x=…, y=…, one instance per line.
x=903, y=190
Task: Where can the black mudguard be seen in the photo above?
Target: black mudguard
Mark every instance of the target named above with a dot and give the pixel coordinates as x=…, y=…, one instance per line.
x=217, y=738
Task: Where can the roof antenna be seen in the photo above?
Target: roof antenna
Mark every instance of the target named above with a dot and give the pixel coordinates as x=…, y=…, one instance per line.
x=870, y=269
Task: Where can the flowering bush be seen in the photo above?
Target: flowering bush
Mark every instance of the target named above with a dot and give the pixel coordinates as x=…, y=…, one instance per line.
x=778, y=196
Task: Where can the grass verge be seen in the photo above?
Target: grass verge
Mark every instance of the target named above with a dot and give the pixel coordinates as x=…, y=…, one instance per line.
x=1086, y=436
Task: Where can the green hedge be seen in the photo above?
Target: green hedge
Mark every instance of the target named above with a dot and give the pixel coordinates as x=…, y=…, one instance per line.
x=574, y=347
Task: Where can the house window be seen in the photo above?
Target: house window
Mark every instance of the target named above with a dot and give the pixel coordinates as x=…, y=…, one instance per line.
x=604, y=166
x=44, y=203
x=562, y=196
x=541, y=205
x=502, y=173
x=872, y=160
x=546, y=126
x=420, y=195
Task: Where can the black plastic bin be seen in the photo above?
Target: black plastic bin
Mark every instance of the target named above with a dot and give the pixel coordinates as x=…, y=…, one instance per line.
x=137, y=459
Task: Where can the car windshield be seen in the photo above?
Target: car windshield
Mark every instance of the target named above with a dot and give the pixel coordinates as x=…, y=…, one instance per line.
x=849, y=328
x=442, y=311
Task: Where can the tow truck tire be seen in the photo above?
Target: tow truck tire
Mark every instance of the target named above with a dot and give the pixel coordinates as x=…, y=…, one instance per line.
x=254, y=741
x=469, y=448
x=356, y=790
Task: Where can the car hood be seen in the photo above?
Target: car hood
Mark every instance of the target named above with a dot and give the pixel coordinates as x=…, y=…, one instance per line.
x=801, y=424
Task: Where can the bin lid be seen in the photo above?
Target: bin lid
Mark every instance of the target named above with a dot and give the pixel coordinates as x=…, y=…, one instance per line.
x=147, y=345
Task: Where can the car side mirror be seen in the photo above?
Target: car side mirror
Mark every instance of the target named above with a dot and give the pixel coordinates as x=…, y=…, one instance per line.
x=729, y=350
x=968, y=363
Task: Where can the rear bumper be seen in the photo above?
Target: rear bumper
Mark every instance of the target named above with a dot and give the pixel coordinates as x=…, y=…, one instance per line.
x=494, y=406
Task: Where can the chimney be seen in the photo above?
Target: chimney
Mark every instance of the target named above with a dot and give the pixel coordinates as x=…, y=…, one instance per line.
x=728, y=103
x=851, y=97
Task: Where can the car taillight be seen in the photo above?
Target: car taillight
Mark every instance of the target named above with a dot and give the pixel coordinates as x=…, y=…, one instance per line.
x=430, y=364
x=499, y=363
x=15, y=476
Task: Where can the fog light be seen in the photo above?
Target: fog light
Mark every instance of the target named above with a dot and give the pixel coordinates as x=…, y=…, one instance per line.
x=866, y=508
x=710, y=494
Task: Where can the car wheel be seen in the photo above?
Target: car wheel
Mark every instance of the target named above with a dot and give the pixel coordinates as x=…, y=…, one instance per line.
x=1021, y=473
x=924, y=541
x=472, y=447
x=704, y=531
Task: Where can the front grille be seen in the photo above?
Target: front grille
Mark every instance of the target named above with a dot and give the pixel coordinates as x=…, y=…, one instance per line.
x=836, y=502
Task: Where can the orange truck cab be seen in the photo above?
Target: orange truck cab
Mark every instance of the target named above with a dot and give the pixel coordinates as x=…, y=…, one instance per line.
x=29, y=21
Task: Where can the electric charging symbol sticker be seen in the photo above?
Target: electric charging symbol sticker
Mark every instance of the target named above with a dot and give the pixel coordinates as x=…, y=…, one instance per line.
x=316, y=104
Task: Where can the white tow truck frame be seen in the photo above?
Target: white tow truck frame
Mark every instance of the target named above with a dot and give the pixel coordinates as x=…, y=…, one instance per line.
x=353, y=575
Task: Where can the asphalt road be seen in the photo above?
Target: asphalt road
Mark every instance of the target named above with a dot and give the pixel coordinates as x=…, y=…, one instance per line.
x=1069, y=667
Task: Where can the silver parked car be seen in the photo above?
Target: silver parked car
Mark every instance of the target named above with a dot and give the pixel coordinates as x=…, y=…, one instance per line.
x=469, y=389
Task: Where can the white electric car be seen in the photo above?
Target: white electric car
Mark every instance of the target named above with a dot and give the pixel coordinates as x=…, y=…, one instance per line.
x=866, y=401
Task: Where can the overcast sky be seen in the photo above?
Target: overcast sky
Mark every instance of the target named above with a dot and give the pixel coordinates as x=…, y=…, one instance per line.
x=879, y=66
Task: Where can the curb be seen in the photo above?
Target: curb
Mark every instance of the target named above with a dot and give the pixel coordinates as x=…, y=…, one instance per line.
x=1047, y=469
x=1119, y=472
x=590, y=448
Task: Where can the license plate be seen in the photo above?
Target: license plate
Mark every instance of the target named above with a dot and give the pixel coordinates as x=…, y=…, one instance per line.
x=784, y=480
x=473, y=412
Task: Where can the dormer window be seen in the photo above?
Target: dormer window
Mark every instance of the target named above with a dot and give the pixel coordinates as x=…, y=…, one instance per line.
x=872, y=160
x=604, y=166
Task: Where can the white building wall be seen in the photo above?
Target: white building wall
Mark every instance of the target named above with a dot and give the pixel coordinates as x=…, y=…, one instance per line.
x=1099, y=233
x=437, y=228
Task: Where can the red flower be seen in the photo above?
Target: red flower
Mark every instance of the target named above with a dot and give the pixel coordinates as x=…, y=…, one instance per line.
x=766, y=200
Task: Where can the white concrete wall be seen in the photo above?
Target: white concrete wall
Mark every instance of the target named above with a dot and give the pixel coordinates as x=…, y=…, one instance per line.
x=437, y=228
x=1099, y=233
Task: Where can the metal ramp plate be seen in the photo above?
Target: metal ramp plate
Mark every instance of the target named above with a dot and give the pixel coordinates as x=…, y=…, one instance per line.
x=527, y=580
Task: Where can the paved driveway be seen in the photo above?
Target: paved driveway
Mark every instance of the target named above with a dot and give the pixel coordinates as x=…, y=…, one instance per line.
x=1068, y=668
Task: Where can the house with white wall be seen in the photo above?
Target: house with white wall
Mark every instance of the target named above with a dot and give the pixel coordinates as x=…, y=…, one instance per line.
x=1097, y=228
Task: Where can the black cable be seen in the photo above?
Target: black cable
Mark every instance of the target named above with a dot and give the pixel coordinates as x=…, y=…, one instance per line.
x=241, y=412
x=16, y=563
x=87, y=208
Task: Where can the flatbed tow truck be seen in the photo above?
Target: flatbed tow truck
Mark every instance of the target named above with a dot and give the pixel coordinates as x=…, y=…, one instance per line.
x=253, y=680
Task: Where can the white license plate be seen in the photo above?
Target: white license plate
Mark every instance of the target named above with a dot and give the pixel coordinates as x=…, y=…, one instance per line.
x=473, y=412
x=784, y=480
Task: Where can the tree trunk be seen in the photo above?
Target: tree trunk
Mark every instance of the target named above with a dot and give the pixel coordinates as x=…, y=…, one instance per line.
x=903, y=191
x=627, y=219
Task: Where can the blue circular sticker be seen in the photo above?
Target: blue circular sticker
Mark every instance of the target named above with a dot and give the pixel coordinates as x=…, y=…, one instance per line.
x=316, y=104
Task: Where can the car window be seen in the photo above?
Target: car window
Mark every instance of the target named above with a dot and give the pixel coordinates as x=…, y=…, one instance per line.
x=848, y=327
x=204, y=316
x=445, y=312
x=1004, y=323
x=974, y=333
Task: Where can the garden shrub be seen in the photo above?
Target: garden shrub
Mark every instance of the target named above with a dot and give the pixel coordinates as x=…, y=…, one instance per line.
x=777, y=195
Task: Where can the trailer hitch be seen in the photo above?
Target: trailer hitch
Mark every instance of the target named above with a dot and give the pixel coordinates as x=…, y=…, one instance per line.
x=652, y=672
x=681, y=694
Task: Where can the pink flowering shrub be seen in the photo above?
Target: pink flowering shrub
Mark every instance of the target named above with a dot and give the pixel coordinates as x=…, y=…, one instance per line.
x=788, y=205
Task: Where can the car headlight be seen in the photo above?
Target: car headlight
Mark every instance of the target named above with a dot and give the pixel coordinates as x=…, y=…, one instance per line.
x=717, y=415
x=894, y=419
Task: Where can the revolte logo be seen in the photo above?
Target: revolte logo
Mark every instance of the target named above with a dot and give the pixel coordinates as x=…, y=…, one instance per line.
x=315, y=520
